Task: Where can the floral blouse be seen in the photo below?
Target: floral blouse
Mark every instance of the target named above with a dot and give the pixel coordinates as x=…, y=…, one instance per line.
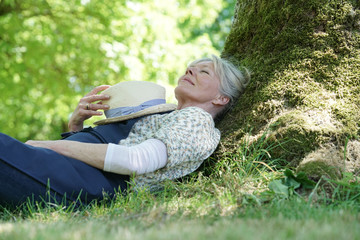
x=189, y=135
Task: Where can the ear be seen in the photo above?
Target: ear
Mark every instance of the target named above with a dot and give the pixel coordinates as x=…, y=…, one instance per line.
x=221, y=100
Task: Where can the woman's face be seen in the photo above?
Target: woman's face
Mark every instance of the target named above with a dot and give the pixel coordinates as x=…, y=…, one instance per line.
x=199, y=84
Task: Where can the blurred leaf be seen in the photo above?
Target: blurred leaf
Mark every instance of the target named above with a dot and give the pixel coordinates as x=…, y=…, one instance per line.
x=286, y=186
x=279, y=188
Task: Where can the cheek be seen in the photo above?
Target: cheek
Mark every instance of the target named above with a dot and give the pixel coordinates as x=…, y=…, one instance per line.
x=213, y=89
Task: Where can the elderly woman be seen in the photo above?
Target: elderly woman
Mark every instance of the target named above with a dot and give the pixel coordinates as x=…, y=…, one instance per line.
x=142, y=152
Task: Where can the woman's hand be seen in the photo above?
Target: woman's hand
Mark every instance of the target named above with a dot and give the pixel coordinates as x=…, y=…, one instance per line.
x=87, y=107
x=43, y=144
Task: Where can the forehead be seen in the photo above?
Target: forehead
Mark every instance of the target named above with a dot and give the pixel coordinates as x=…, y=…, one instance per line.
x=206, y=63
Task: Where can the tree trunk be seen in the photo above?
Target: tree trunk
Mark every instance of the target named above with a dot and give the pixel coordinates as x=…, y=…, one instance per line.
x=305, y=90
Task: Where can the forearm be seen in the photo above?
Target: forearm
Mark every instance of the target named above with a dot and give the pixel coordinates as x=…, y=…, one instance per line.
x=89, y=153
x=148, y=156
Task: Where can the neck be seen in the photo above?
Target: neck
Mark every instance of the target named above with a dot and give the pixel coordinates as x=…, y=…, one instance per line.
x=208, y=107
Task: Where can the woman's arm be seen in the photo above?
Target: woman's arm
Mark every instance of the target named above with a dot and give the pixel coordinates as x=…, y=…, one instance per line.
x=89, y=153
x=145, y=157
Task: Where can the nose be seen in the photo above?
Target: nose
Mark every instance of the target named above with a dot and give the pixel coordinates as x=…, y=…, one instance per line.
x=190, y=70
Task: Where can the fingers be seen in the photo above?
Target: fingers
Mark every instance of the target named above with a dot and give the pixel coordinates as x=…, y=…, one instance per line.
x=89, y=113
x=42, y=144
x=94, y=98
x=88, y=106
x=93, y=107
x=34, y=143
x=92, y=101
x=98, y=89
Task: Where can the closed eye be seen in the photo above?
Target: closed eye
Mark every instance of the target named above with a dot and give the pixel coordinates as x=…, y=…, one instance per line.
x=205, y=72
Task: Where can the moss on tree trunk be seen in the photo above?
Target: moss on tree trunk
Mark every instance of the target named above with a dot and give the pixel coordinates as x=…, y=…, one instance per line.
x=305, y=62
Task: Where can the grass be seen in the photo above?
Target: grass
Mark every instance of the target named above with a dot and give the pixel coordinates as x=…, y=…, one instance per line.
x=232, y=202
x=277, y=227
x=280, y=220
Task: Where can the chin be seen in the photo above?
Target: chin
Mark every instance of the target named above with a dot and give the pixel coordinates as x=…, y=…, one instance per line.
x=181, y=92
x=185, y=93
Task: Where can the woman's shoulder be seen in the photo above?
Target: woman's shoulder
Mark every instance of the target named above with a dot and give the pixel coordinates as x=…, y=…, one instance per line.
x=194, y=119
x=192, y=112
x=189, y=117
x=185, y=112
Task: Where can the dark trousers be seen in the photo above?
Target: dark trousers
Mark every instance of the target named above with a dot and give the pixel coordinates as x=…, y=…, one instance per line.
x=16, y=187
x=38, y=174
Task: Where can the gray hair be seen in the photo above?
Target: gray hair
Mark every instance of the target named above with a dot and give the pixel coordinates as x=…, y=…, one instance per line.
x=233, y=81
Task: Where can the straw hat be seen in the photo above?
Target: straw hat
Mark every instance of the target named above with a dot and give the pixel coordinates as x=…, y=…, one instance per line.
x=134, y=99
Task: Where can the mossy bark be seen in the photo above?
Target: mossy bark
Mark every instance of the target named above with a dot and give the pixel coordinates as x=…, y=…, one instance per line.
x=304, y=56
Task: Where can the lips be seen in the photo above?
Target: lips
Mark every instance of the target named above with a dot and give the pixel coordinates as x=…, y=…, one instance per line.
x=188, y=80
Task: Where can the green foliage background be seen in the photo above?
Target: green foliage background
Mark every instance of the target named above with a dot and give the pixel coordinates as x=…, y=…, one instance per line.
x=52, y=52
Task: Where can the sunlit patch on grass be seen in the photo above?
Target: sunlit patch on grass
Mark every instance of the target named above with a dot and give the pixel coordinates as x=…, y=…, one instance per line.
x=6, y=227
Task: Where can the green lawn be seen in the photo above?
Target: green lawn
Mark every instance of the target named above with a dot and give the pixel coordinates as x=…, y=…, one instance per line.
x=240, y=197
x=287, y=219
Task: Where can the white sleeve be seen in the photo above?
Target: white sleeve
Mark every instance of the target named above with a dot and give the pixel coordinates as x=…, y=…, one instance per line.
x=145, y=157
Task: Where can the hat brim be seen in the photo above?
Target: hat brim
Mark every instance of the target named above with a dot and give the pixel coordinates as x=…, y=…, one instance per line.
x=161, y=108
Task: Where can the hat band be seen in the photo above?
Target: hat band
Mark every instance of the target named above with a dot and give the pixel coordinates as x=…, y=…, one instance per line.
x=122, y=111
